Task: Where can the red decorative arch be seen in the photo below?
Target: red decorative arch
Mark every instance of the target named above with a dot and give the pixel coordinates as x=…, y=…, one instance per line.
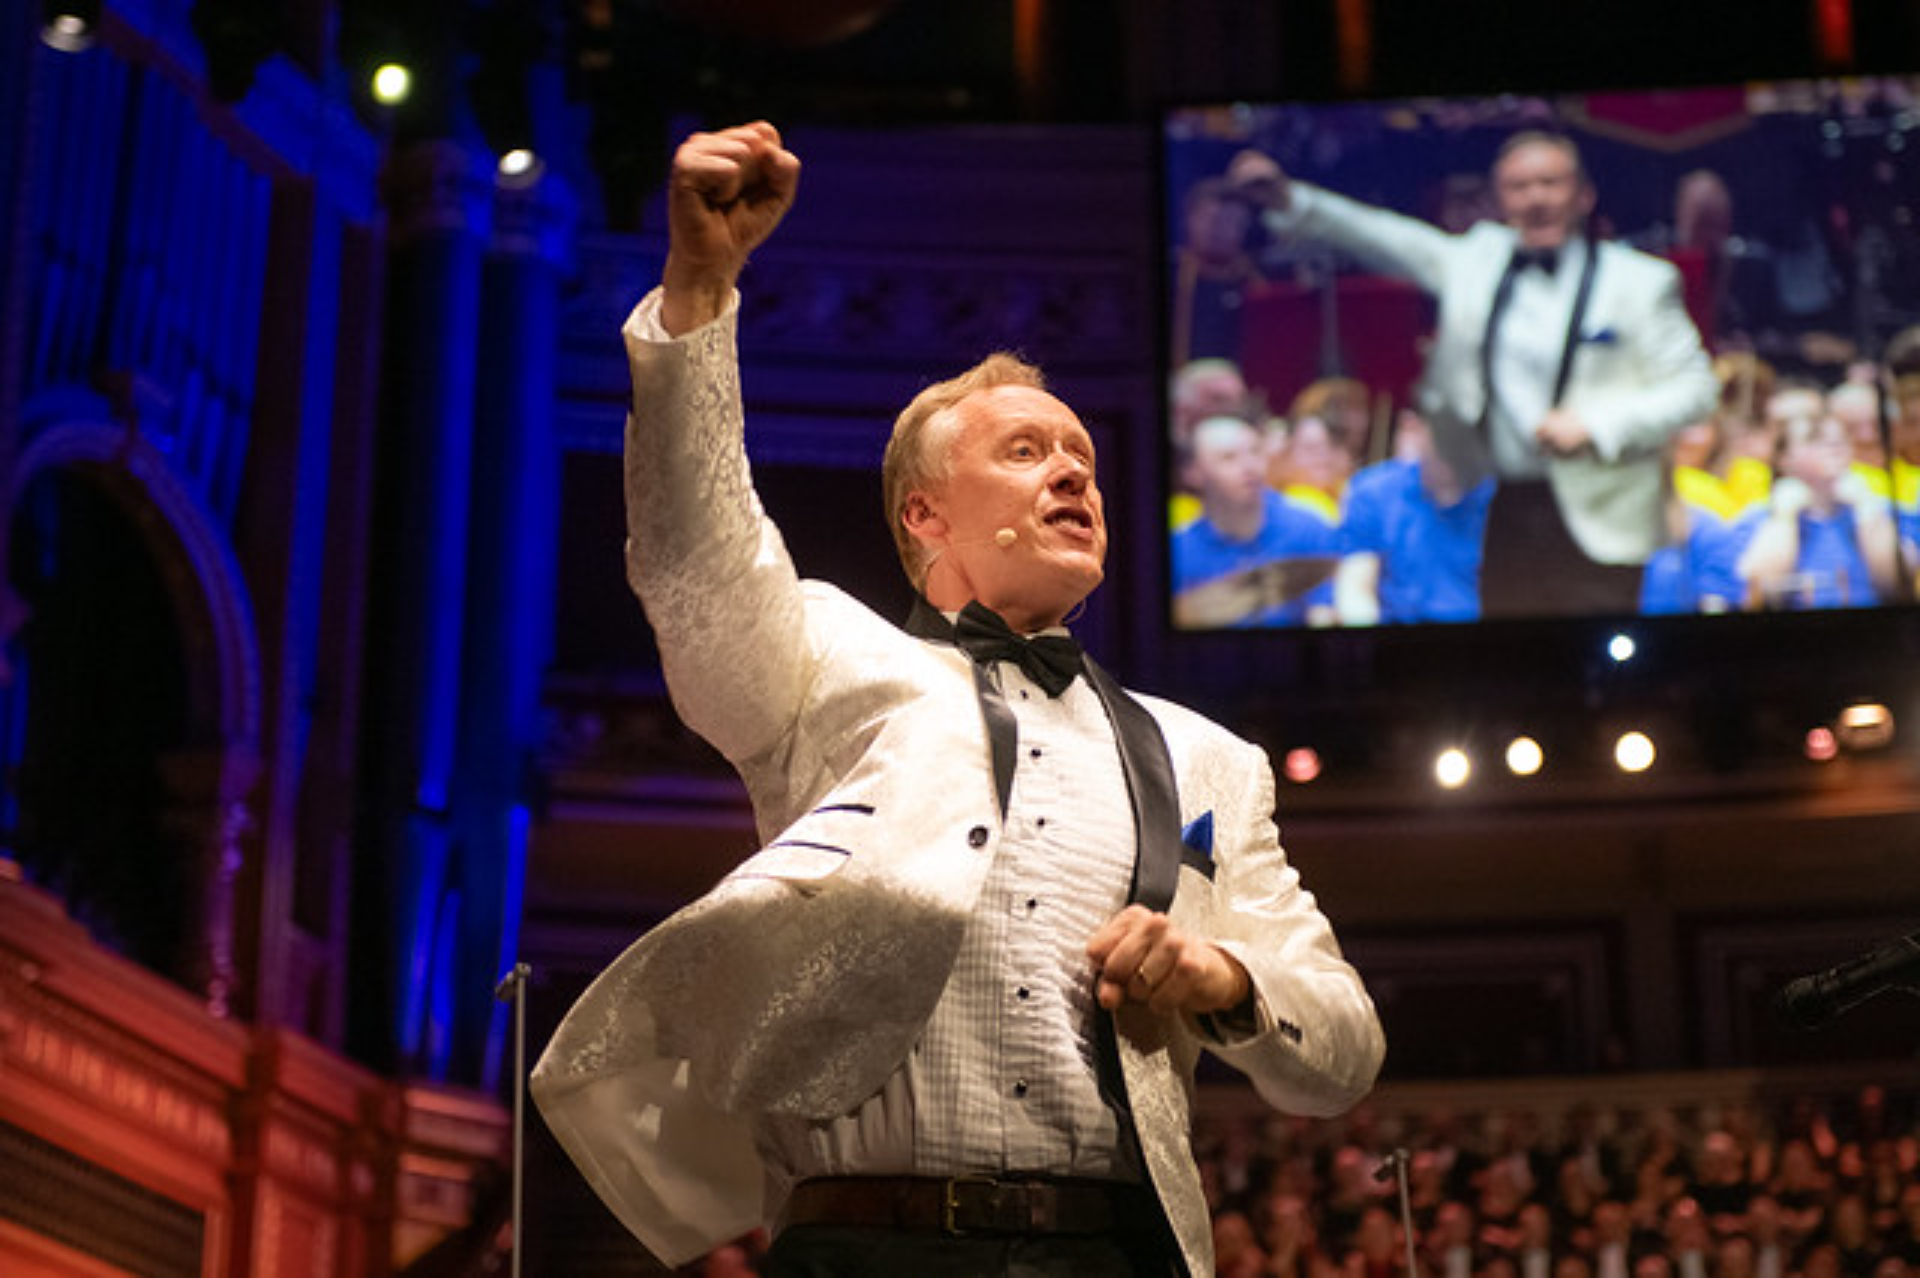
x=212, y=779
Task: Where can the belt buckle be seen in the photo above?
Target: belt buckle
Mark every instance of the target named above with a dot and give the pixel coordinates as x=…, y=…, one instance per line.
x=950, y=1202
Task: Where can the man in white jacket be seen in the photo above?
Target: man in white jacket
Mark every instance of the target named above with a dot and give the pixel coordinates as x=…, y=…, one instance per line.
x=946, y=1019
x=1560, y=363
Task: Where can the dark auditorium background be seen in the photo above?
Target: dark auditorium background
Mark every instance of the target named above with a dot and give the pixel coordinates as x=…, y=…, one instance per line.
x=323, y=703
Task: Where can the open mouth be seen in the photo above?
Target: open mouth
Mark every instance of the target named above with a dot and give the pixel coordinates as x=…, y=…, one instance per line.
x=1069, y=517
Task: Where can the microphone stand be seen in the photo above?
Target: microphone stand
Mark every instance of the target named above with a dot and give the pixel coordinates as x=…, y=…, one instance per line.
x=1395, y=1165
x=513, y=988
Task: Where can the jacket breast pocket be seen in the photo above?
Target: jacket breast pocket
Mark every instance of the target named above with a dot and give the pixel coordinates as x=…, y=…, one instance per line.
x=813, y=849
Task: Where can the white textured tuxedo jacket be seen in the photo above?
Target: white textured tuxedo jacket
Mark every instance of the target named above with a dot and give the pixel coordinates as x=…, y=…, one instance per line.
x=800, y=983
x=1639, y=372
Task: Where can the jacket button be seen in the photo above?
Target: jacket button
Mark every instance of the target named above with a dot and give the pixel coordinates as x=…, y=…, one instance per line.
x=977, y=837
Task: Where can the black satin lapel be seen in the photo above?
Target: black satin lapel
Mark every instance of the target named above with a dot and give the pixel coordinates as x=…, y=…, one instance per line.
x=925, y=621
x=1003, y=735
x=1150, y=784
x=1576, y=322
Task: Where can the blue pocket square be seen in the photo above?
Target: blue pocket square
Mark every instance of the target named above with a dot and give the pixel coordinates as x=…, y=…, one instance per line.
x=1196, y=844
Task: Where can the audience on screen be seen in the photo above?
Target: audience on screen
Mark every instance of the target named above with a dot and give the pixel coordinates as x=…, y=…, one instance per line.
x=1348, y=406
x=1309, y=464
x=1904, y=472
x=1825, y=539
x=1721, y=467
x=1254, y=557
x=1200, y=389
x=1792, y=494
x=1212, y=272
x=1410, y=537
x=1731, y=282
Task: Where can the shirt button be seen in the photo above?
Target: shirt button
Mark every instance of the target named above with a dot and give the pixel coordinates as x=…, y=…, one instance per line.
x=1020, y=1088
x=1033, y=903
x=1040, y=823
x=1034, y=753
x=1024, y=992
x=977, y=837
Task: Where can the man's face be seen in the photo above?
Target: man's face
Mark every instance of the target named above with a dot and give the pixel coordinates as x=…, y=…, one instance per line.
x=1696, y=443
x=1229, y=465
x=1018, y=460
x=1217, y=229
x=1795, y=401
x=1703, y=214
x=1542, y=194
x=1313, y=457
x=1860, y=415
x=1818, y=453
x=1906, y=429
x=1214, y=391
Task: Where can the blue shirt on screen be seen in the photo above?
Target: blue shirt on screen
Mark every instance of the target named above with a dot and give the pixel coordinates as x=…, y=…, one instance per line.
x=1429, y=554
x=1289, y=530
x=1700, y=574
x=1830, y=571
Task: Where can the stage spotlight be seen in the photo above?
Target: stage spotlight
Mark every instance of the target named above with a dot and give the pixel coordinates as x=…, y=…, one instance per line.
x=1301, y=765
x=392, y=84
x=1821, y=745
x=68, y=25
x=519, y=167
x=1524, y=756
x=1621, y=648
x=508, y=43
x=1633, y=752
x=1452, y=767
x=1865, y=725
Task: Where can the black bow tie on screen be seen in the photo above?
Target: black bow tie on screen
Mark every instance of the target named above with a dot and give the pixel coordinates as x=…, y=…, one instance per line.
x=1546, y=259
x=1052, y=661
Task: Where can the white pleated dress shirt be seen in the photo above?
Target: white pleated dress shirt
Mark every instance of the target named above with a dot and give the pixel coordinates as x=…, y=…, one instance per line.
x=1530, y=342
x=1004, y=1078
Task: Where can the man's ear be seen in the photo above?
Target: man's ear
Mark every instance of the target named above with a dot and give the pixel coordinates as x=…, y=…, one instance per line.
x=923, y=521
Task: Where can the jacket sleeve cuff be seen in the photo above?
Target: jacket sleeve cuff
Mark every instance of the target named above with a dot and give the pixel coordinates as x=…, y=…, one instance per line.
x=644, y=323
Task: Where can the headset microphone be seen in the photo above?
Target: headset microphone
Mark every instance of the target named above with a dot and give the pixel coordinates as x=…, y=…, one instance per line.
x=1003, y=539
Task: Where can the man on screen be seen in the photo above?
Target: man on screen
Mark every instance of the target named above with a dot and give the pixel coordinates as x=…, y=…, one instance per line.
x=946, y=1020
x=1559, y=363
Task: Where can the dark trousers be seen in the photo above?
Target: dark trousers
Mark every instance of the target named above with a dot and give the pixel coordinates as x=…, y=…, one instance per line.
x=833, y=1251
x=1530, y=565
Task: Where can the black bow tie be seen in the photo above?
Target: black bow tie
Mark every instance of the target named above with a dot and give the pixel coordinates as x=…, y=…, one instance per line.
x=1052, y=661
x=1546, y=259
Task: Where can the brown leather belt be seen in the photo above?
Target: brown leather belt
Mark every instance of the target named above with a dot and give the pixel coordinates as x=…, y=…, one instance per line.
x=969, y=1204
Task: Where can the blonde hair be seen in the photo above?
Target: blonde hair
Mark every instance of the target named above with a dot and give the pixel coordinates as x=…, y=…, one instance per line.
x=916, y=454
x=1747, y=382
x=1328, y=395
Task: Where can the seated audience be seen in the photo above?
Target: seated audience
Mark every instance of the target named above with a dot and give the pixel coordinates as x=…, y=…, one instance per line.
x=1815, y=1189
